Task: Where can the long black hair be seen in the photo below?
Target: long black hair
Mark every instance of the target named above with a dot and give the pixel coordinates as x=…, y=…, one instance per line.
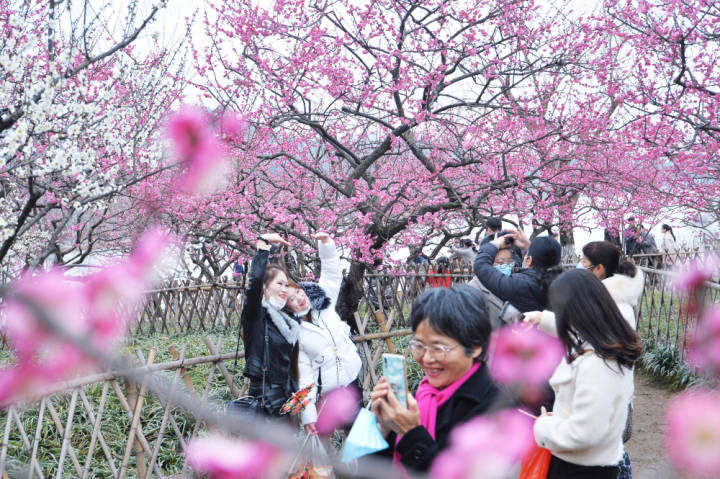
x=608, y=255
x=546, y=254
x=585, y=312
x=667, y=227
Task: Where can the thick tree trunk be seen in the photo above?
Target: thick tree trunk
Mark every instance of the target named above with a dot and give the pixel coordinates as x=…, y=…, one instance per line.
x=351, y=292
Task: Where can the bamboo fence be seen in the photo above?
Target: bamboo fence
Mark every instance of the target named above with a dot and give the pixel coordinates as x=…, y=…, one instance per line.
x=105, y=425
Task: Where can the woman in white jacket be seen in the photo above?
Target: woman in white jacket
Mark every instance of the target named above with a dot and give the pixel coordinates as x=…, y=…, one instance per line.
x=624, y=282
x=327, y=355
x=593, y=384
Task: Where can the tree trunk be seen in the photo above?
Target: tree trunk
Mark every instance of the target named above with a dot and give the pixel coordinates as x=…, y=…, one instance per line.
x=351, y=291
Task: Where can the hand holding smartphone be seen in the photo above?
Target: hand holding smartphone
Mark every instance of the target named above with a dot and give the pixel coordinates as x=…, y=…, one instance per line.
x=395, y=372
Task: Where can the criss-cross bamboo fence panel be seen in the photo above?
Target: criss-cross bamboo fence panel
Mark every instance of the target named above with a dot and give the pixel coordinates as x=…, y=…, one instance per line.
x=103, y=425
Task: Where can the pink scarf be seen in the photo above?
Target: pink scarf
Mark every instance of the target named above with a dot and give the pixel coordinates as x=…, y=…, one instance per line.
x=429, y=400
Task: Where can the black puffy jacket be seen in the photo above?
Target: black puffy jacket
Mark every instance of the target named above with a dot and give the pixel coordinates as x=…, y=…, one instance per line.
x=521, y=289
x=254, y=319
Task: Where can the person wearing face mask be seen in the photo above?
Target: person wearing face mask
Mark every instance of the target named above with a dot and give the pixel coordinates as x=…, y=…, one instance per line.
x=272, y=372
x=527, y=289
x=504, y=261
x=327, y=356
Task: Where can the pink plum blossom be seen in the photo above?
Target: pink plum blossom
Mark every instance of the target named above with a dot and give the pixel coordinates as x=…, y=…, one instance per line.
x=693, y=275
x=95, y=309
x=692, y=433
x=339, y=408
x=486, y=447
x=233, y=126
x=705, y=341
x=198, y=151
x=524, y=358
x=222, y=457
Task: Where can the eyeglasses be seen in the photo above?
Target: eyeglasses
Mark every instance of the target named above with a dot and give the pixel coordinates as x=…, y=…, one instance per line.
x=437, y=352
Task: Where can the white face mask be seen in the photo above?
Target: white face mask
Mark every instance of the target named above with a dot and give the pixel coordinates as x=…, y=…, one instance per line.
x=276, y=303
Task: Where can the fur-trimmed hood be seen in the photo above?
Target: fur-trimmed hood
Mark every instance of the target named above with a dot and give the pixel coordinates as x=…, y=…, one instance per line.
x=625, y=289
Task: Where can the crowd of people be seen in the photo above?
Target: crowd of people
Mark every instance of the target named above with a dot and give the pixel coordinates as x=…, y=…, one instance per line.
x=294, y=338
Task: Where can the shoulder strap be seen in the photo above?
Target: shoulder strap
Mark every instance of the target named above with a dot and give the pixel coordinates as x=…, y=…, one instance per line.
x=266, y=362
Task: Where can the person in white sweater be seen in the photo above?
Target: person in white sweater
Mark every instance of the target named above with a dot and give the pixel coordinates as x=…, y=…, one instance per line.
x=593, y=384
x=327, y=355
x=624, y=282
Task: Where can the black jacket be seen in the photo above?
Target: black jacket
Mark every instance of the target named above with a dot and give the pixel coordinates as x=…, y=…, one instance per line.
x=254, y=318
x=473, y=398
x=521, y=288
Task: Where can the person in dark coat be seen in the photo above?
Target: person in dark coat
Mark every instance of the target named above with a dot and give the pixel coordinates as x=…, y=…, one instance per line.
x=527, y=289
x=451, y=331
x=493, y=226
x=265, y=298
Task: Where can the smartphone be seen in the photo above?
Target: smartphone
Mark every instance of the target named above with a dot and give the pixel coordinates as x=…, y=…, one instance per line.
x=395, y=372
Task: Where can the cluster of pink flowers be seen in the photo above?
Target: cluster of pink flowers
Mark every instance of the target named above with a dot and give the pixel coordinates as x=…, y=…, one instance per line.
x=198, y=149
x=49, y=317
x=487, y=447
x=524, y=358
x=692, y=431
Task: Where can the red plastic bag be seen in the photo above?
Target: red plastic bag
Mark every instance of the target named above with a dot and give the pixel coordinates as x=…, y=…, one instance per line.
x=536, y=465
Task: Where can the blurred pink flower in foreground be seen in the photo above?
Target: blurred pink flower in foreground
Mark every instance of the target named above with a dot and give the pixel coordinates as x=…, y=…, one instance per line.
x=222, y=457
x=524, y=358
x=486, y=447
x=692, y=433
x=95, y=310
x=198, y=151
x=339, y=408
x=705, y=341
x=693, y=275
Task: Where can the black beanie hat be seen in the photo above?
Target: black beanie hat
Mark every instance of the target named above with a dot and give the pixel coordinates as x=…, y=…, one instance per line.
x=319, y=300
x=545, y=252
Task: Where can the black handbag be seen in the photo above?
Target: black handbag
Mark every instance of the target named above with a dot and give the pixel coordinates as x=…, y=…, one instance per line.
x=253, y=406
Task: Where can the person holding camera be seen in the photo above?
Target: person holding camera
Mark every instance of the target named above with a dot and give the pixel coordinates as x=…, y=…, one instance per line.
x=527, y=289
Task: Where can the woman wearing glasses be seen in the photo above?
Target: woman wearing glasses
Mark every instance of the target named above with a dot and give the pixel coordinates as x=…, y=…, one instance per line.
x=451, y=330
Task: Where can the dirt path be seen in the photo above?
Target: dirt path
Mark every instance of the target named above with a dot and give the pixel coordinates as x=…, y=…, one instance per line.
x=646, y=444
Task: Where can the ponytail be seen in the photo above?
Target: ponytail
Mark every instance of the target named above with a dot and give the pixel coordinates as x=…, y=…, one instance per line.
x=608, y=255
x=545, y=277
x=667, y=227
x=627, y=268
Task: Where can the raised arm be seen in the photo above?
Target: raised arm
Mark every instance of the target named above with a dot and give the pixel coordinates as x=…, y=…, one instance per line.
x=330, y=270
x=254, y=292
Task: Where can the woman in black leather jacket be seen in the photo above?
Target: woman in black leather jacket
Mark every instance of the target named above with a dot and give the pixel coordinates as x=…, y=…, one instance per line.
x=272, y=372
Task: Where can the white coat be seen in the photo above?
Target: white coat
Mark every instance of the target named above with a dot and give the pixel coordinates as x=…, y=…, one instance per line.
x=327, y=351
x=589, y=413
x=591, y=394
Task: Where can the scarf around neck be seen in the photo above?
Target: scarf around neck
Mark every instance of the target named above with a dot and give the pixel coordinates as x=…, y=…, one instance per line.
x=288, y=327
x=430, y=399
